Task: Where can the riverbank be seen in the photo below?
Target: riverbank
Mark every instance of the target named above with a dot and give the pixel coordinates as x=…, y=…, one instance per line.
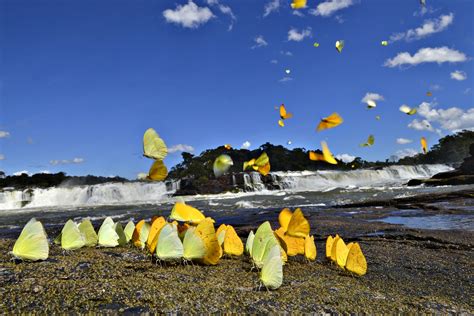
x=409, y=270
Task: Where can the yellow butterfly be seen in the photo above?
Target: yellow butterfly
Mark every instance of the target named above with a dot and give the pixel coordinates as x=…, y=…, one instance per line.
x=140, y=234
x=326, y=156
x=200, y=243
x=429, y=94
x=156, y=225
x=384, y=43
x=329, y=243
x=331, y=121
x=310, y=248
x=229, y=240
x=298, y=4
x=424, y=145
x=370, y=141
x=298, y=225
x=153, y=146
x=228, y=146
x=356, y=262
x=339, y=252
x=284, y=218
x=221, y=165
x=261, y=164
x=407, y=110
x=158, y=171
x=186, y=213
x=339, y=45
x=32, y=244
x=292, y=246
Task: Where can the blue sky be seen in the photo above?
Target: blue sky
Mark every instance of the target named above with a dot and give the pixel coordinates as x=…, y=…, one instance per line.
x=82, y=80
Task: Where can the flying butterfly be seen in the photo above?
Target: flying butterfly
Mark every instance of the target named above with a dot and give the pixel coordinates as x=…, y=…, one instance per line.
x=153, y=146
x=370, y=141
x=221, y=165
x=407, y=110
x=339, y=45
x=298, y=4
x=331, y=121
x=424, y=145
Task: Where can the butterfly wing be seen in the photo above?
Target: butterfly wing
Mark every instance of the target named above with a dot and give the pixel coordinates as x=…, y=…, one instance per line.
x=158, y=171
x=89, y=233
x=284, y=218
x=272, y=270
x=328, y=157
x=129, y=228
x=298, y=225
x=169, y=246
x=153, y=146
x=232, y=243
x=356, y=262
x=249, y=243
x=32, y=244
x=424, y=145
x=309, y=248
x=71, y=236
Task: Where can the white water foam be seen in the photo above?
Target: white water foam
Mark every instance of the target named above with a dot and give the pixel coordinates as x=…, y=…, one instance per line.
x=138, y=193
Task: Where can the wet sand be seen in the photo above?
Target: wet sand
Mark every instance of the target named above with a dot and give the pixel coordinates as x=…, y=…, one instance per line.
x=416, y=271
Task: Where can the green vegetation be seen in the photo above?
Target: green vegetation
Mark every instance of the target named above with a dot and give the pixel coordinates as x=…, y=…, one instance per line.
x=45, y=180
x=451, y=149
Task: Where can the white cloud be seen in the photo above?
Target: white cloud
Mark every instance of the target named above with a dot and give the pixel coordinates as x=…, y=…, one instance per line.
x=422, y=125
x=2, y=157
x=67, y=161
x=345, y=158
x=181, y=148
x=4, y=134
x=429, y=27
x=270, y=7
x=407, y=152
x=372, y=96
x=328, y=7
x=285, y=79
x=224, y=10
x=435, y=87
x=458, y=75
x=246, y=145
x=298, y=13
x=339, y=19
x=19, y=173
x=467, y=91
x=404, y=141
x=274, y=61
x=427, y=55
x=44, y=171
x=259, y=42
x=286, y=53
x=188, y=15
x=294, y=35
x=452, y=119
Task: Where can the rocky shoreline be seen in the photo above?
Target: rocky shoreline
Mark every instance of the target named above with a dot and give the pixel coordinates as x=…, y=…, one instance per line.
x=409, y=271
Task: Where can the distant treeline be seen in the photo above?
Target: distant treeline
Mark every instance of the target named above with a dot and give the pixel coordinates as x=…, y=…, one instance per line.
x=45, y=180
x=452, y=149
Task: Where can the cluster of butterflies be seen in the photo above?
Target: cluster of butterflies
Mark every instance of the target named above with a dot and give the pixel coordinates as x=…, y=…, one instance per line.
x=191, y=236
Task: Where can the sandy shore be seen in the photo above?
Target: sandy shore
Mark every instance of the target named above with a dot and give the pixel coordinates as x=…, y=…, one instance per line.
x=409, y=270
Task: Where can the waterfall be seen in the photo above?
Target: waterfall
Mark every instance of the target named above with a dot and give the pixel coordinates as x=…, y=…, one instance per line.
x=92, y=195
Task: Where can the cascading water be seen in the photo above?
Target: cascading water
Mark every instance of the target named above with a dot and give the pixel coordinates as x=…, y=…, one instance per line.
x=326, y=180
x=101, y=194
x=153, y=193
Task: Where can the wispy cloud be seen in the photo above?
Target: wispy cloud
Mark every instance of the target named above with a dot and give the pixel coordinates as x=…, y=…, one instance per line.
x=427, y=55
x=452, y=119
x=181, y=148
x=423, y=125
x=19, y=173
x=345, y=158
x=286, y=53
x=298, y=13
x=273, y=61
x=224, y=10
x=2, y=157
x=246, y=145
x=285, y=79
x=189, y=15
x=297, y=36
x=458, y=75
x=329, y=7
x=270, y=7
x=4, y=134
x=372, y=96
x=407, y=152
x=67, y=161
x=428, y=28
x=259, y=42
x=404, y=141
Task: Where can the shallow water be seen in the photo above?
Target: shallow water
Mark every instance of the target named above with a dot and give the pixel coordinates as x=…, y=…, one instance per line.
x=442, y=222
